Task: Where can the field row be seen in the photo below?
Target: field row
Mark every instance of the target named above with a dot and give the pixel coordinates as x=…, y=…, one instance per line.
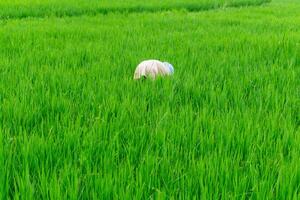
x=36, y=8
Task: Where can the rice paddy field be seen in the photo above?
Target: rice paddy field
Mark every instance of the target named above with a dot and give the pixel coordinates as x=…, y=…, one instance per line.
x=75, y=125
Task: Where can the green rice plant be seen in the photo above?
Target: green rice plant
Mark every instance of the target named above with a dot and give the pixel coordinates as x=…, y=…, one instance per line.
x=38, y=8
x=75, y=125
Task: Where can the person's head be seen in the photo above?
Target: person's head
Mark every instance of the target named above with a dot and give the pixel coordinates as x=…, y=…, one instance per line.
x=170, y=67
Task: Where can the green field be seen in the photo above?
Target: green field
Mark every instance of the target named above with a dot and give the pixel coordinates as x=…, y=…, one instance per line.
x=62, y=8
x=75, y=125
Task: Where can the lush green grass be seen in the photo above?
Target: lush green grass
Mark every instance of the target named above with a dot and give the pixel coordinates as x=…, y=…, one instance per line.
x=38, y=8
x=73, y=123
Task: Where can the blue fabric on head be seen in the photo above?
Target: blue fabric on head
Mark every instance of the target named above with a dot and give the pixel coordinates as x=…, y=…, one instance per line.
x=171, y=68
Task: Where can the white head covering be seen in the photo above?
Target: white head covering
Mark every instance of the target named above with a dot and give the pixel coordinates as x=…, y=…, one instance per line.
x=170, y=67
